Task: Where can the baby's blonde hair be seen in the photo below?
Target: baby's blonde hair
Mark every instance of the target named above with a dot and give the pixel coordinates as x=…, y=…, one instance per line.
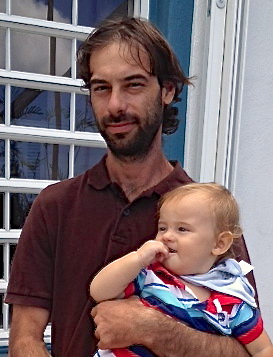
x=222, y=204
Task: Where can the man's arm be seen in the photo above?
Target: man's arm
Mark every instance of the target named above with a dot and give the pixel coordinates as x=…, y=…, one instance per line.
x=27, y=330
x=162, y=334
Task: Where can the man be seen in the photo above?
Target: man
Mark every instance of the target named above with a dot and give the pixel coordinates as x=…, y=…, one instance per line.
x=77, y=226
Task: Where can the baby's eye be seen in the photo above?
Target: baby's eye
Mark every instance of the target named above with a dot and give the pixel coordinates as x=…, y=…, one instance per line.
x=182, y=229
x=161, y=229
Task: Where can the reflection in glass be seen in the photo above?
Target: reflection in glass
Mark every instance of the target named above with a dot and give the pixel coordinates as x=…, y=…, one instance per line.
x=86, y=157
x=20, y=204
x=43, y=109
x=1, y=261
x=40, y=54
x=2, y=104
x=1, y=210
x=2, y=158
x=1, y=312
x=93, y=12
x=39, y=161
x=2, y=46
x=56, y=10
x=84, y=119
x=2, y=6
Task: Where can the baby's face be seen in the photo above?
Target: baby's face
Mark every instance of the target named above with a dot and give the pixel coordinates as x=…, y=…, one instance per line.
x=186, y=227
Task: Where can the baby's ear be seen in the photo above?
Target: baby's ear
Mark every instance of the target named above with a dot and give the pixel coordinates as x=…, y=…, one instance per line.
x=223, y=243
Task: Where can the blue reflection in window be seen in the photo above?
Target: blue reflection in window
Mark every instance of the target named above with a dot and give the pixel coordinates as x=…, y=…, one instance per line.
x=38, y=108
x=39, y=160
x=20, y=204
x=56, y=10
x=91, y=13
x=84, y=119
x=86, y=157
x=2, y=158
x=2, y=104
x=1, y=210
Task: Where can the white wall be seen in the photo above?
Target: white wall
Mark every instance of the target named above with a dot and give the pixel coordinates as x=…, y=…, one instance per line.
x=254, y=174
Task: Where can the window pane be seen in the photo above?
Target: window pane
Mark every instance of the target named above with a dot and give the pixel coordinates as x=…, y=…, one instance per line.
x=2, y=104
x=2, y=6
x=1, y=210
x=39, y=160
x=3, y=47
x=2, y=158
x=92, y=12
x=86, y=157
x=1, y=261
x=40, y=54
x=1, y=314
x=38, y=108
x=20, y=204
x=84, y=117
x=60, y=11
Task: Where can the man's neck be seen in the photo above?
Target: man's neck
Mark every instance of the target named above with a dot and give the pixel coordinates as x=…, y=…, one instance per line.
x=137, y=176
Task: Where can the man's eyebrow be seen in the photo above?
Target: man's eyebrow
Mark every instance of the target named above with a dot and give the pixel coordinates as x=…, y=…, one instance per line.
x=97, y=81
x=136, y=76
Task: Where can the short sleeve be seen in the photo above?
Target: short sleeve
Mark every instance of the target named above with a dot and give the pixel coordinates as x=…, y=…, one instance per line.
x=136, y=286
x=246, y=323
x=31, y=274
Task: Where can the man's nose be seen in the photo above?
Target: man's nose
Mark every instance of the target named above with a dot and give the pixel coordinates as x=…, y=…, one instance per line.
x=117, y=102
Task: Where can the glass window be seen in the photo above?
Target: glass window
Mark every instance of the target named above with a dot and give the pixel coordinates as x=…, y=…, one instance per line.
x=2, y=42
x=86, y=157
x=39, y=161
x=2, y=104
x=38, y=108
x=2, y=6
x=93, y=12
x=84, y=119
x=40, y=54
x=20, y=204
x=1, y=210
x=55, y=10
x=2, y=158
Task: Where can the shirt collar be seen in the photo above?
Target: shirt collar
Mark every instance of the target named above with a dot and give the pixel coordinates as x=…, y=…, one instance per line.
x=98, y=178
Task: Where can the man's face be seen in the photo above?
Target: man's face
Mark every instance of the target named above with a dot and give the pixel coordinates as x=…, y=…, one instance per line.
x=127, y=101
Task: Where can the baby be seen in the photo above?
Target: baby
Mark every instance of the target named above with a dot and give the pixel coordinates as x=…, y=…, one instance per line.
x=188, y=272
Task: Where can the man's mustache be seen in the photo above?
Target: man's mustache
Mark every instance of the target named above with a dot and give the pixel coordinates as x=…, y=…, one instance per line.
x=110, y=119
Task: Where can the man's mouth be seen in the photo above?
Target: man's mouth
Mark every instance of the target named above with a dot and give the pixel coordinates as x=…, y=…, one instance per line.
x=120, y=127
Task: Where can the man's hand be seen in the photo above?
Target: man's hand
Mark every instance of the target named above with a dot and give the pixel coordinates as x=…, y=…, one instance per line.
x=123, y=323
x=119, y=323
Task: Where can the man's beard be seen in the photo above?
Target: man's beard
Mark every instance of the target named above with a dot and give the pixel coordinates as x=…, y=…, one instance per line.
x=137, y=147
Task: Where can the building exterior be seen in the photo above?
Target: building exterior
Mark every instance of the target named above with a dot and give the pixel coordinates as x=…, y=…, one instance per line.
x=47, y=131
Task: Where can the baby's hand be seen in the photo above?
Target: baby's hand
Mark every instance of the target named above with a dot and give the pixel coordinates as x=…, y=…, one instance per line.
x=152, y=251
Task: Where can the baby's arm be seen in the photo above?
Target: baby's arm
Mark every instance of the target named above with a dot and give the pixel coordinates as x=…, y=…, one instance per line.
x=112, y=280
x=261, y=347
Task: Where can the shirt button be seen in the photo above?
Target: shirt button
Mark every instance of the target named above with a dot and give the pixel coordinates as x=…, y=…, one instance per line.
x=126, y=212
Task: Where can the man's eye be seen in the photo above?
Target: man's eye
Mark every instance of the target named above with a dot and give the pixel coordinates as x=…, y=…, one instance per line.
x=99, y=88
x=135, y=84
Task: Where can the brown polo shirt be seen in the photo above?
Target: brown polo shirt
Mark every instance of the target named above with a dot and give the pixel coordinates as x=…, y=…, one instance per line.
x=73, y=229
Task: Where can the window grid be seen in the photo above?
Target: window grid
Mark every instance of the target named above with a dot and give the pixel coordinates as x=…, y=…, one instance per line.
x=8, y=186
x=10, y=132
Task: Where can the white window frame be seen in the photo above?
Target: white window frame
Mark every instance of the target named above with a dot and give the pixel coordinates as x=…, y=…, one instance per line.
x=214, y=103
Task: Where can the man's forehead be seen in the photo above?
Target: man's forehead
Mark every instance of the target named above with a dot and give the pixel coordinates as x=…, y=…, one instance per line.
x=134, y=54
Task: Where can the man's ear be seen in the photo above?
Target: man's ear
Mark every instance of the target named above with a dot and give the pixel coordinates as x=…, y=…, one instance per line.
x=223, y=243
x=168, y=91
